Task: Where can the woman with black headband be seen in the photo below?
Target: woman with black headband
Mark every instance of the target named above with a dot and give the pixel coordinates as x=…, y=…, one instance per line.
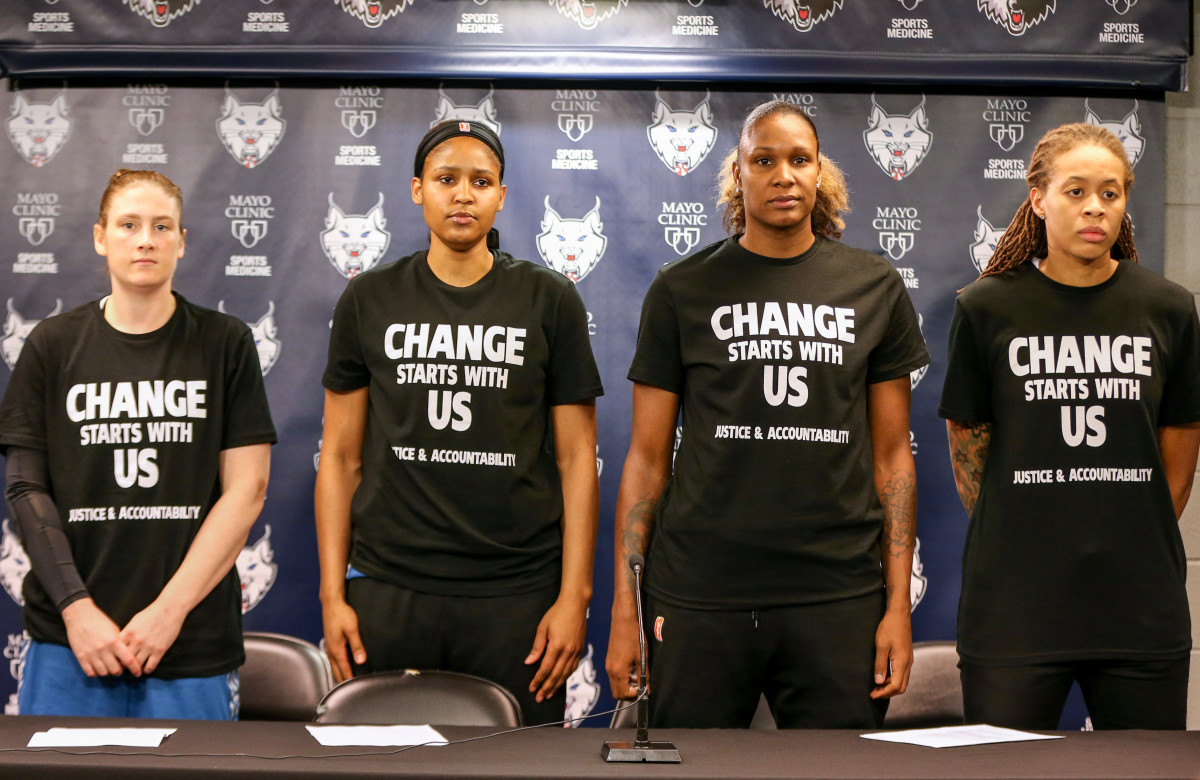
x=457, y=496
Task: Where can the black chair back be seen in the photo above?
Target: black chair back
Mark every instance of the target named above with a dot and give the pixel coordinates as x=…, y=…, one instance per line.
x=420, y=697
x=284, y=677
x=934, y=695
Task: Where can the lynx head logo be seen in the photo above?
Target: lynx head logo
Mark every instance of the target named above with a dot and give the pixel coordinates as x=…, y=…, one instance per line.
x=588, y=13
x=986, y=238
x=898, y=142
x=251, y=131
x=919, y=582
x=681, y=139
x=483, y=112
x=803, y=14
x=16, y=330
x=39, y=130
x=572, y=247
x=161, y=12
x=582, y=689
x=1017, y=16
x=372, y=13
x=1121, y=6
x=256, y=569
x=1128, y=131
x=14, y=563
x=355, y=242
x=916, y=375
x=265, y=336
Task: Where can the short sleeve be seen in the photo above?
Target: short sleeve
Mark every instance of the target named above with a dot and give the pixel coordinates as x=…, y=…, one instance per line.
x=346, y=368
x=1181, y=390
x=23, y=410
x=247, y=414
x=572, y=375
x=966, y=392
x=658, y=359
x=902, y=348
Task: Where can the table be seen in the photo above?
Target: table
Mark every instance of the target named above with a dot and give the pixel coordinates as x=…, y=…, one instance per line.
x=285, y=750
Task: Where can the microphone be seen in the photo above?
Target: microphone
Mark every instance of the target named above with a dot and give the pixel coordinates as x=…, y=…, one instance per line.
x=641, y=749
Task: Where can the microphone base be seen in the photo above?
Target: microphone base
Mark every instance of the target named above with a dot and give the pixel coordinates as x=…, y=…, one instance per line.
x=646, y=752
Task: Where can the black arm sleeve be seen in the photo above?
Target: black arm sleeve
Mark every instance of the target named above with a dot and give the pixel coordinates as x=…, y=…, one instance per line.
x=40, y=526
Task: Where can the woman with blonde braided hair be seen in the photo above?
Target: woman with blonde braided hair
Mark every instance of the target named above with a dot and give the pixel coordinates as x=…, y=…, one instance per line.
x=1072, y=401
x=780, y=538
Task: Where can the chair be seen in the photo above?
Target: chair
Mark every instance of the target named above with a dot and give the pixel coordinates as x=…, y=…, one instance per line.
x=420, y=697
x=934, y=695
x=284, y=677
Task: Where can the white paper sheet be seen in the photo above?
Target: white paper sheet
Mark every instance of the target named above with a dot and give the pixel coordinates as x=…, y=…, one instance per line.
x=957, y=736
x=376, y=736
x=128, y=737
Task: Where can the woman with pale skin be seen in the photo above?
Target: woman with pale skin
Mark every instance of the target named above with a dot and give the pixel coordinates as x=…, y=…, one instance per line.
x=779, y=543
x=132, y=533
x=1072, y=401
x=450, y=536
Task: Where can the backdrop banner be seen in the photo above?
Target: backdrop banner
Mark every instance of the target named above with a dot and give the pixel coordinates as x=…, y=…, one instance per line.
x=290, y=190
x=1094, y=43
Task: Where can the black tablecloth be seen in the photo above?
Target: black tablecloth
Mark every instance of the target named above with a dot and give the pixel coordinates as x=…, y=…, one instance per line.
x=271, y=750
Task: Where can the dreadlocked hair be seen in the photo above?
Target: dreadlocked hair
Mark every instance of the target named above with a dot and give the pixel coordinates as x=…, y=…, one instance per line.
x=1025, y=236
x=833, y=198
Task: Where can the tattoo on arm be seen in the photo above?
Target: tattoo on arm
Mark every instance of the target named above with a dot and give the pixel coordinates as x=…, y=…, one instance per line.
x=638, y=523
x=899, y=498
x=969, y=445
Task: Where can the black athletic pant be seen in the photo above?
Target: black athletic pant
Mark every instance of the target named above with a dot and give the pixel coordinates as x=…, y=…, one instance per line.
x=1118, y=694
x=815, y=664
x=488, y=637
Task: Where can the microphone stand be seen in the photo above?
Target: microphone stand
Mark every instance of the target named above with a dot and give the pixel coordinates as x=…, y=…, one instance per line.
x=641, y=749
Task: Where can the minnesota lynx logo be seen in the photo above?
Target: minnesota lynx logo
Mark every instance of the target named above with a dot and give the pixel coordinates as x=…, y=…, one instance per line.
x=39, y=130
x=372, y=13
x=919, y=582
x=582, y=689
x=483, y=112
x=250, y=131
x=986, y=238
x=16, y=330
x=917, y=374
x=355, y=242
x=1017, y=16
x=803, y=14
x=256, y=569
x=572, y=247
x=681, y=139
x=14, y=563
x=161, y=12
x=1121, y=6
x=265, y=336
x=1128, y=131
x=898, y=142
x=588, y=13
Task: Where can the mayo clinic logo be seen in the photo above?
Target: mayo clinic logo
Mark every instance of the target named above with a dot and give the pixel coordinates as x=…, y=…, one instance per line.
x=36, y=212
x=1121, y=6
x=898, y=227
x=802, y=100
x=910, y=5
x=681, y=223
x=249, y=217
x=1006, y=121
x=360, y=108
x=575, y=109
x=147, y=106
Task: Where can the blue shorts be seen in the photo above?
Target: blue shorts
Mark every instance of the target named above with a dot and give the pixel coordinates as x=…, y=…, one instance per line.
x=52, y=683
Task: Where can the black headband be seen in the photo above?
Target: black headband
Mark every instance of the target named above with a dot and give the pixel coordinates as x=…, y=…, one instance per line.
x=452, y=129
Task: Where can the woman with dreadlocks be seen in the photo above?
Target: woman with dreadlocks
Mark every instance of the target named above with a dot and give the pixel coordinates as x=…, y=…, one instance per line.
x=779, y=545
x=1072, y=401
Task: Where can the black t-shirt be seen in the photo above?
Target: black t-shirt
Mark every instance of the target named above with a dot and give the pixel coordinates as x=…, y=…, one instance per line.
x=133, y=426
x=1073, y=550
x=460, y=490
x=772, y=501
